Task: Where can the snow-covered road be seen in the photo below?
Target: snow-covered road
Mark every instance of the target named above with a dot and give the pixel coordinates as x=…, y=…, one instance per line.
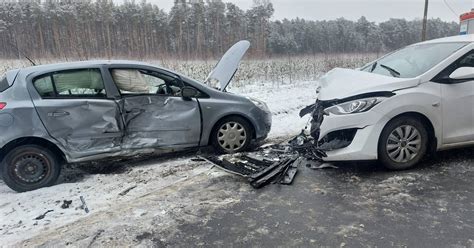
x=142, y=177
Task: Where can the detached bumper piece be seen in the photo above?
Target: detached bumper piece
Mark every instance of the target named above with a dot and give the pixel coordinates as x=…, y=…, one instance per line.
x=276, y=164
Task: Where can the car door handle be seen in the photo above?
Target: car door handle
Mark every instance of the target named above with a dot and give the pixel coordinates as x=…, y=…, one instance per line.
x=58, y=114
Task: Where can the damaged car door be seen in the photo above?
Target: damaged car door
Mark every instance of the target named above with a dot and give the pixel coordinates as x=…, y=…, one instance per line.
x=154, y=112
x=75, y=109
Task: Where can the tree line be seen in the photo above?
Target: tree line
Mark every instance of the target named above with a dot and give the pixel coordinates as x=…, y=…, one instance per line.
x=87, y=29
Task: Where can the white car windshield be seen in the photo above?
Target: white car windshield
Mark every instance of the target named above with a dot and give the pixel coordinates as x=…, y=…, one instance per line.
x=412, y=61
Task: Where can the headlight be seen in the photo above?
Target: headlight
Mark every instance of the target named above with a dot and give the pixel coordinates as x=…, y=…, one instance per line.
x=353, y=107
x=259, y=104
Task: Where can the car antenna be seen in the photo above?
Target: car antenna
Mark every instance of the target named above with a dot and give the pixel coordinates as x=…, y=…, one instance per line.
x=22, y=54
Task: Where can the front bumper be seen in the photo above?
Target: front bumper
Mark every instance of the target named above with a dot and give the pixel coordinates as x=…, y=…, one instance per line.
x=363, y=145
x=262, y=123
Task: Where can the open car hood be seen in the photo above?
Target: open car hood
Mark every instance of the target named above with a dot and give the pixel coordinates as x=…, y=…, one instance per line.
x=225, y=70
x=342, y=83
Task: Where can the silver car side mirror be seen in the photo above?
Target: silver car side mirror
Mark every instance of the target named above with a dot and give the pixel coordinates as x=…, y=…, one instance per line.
x=189, y=92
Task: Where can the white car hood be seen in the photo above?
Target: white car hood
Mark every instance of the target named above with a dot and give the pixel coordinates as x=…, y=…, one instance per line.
x=342, y=83
x=228, y=65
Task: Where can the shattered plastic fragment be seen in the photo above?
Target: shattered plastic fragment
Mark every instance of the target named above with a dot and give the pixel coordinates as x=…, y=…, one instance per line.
x=43, y=215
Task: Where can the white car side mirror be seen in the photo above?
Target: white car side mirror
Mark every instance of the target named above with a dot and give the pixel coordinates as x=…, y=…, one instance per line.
x=463, y=73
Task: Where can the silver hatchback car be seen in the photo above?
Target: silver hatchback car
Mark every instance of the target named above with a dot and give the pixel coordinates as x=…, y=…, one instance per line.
x=83, y=111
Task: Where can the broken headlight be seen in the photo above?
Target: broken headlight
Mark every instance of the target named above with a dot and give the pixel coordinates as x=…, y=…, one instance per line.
x=353, y=107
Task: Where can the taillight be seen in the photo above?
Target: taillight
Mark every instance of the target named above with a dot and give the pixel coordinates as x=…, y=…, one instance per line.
x=2, y=105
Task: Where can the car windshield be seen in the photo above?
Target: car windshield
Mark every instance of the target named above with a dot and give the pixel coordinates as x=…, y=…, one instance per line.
x=413, y=61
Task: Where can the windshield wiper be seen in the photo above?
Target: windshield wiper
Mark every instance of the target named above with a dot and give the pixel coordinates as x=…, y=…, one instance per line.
x=392, y=71
x=373, y=67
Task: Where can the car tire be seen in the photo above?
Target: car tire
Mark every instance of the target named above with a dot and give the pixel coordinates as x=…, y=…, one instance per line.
x=30, y=167
x=232, y=135
x=403, y=143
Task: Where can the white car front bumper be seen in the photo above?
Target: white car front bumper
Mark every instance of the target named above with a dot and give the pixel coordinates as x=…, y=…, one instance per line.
x=364, y=145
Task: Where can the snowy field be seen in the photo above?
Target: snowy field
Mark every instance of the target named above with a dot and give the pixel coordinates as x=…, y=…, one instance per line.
x=278, y=71
x=140, y=176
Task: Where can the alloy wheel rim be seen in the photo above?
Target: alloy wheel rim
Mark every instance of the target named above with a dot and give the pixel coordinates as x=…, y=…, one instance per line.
x=232, y=136
x=404, y=144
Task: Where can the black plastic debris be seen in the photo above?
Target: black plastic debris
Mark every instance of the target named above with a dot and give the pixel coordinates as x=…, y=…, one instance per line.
x=84, y=205
x=40, y=217
x=126, y=191
x=277, y=175
x=66, y=204
x=277, y=164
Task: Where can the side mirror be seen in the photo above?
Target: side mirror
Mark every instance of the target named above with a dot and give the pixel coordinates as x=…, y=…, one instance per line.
x=463, y=73
x=189, y=92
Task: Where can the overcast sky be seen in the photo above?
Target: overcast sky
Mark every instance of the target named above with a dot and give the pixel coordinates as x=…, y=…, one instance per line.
x=374, y=10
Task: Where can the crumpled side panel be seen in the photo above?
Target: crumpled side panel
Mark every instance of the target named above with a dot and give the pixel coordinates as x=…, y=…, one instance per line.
x=155, y=121
x=82, y=126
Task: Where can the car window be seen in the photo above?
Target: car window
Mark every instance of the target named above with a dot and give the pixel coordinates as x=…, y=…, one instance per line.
x=465, y=61
x=44, y=86
x=133, y=82
x=81, y=82
x=4, y=83
x=413, y=61
x=76, y=83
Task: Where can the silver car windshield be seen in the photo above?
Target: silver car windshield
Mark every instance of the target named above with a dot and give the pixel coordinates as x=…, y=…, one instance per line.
x=413, y=61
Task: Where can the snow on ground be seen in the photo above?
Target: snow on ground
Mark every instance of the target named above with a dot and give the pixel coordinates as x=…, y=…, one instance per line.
x=285, y=102
x=133, y=178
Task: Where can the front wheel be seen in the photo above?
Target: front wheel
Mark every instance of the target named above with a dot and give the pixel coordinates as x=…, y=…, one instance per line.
x=232, y=135
x=403, y=143
x=30, y=167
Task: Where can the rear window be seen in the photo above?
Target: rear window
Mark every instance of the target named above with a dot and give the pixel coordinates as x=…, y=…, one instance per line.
x=77, y=83
x=4, y=84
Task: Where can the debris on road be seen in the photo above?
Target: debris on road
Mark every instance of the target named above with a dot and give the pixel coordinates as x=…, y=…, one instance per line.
x=272, y=163
x=84, y=205
x=319, y=165
x=66, y=204
x=43, y=215
x=123, y=193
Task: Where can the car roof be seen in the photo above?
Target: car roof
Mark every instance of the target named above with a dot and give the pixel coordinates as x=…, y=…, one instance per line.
x=80, y=64
x=458, y=38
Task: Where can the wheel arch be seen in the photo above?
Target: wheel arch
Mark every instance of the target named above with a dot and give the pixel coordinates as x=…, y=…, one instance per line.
x=33, y=141
x=432, y=138
x=214, y=126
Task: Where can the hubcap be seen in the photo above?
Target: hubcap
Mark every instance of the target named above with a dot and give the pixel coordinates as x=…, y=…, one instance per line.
x=231, y=136
x=404, y=144
x=30, y=167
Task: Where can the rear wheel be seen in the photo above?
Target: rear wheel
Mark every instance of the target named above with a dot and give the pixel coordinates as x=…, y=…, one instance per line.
x=403, y=143
x=30, y=167
x=232, y=135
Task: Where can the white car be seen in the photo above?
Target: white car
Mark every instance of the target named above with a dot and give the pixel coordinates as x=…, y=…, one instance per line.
x=399, y=107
